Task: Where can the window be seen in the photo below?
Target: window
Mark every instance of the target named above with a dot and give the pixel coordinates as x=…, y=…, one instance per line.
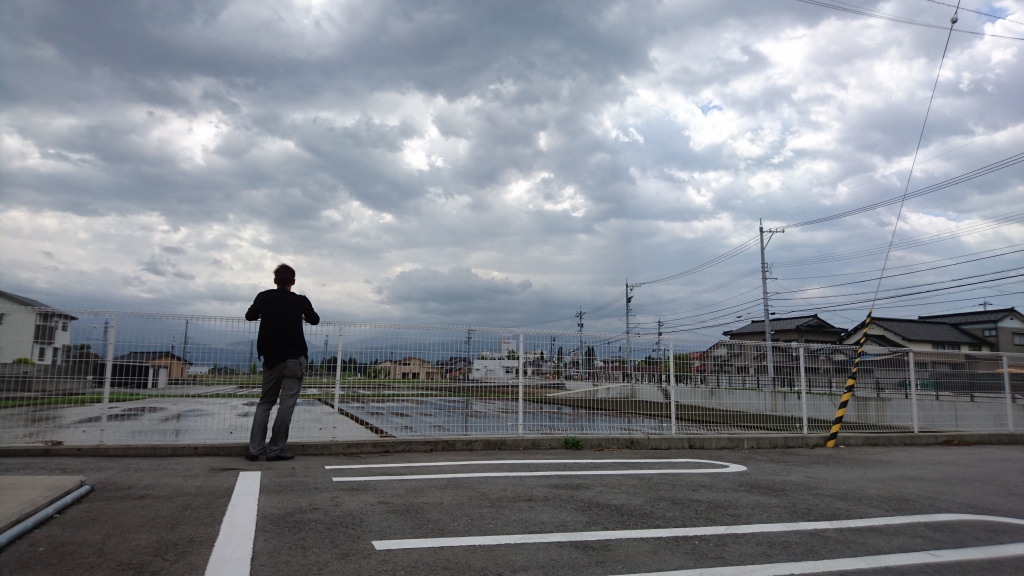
x=42, y=354
x=989, y=332
x=1018, y=338
x=945, y=346
x=1, y=318
x=53, y=359
x=974, y=348
x=64, y=326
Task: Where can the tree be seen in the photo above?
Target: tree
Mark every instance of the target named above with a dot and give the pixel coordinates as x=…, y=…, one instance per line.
x=561, y=356
x=684, y=367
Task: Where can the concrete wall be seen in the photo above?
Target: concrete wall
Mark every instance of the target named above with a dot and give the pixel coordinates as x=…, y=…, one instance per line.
x=16, y=332
x=947, y=413
x=944, y=414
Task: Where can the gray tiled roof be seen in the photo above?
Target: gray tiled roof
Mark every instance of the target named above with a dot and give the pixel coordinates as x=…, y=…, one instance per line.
x=924, y=331
x=971, y=317
x=146, y=356
x=22, y=300
x=777, y=324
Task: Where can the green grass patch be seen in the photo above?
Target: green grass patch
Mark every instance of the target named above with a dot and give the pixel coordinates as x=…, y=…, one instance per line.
x=573, y=443
x=71, y=400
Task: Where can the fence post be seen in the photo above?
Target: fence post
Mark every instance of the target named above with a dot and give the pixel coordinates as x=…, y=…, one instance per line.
x=803, y=389
x=1009, y=393
x=520, y=384
x=108, y=373
x=913, y=391
x=672, y=382
x=337, y=374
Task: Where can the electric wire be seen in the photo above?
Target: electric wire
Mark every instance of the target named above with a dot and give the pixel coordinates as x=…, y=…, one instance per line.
x=977, y=173
x=913, y=272
x=920, y=138
x=883, y=16
x=904, y=265
x=976, y=12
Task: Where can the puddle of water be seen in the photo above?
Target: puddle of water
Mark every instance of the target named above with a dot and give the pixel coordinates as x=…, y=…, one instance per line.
x=460, y=416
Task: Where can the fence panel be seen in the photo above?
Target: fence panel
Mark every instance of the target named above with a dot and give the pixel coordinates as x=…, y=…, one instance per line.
x=83, y=377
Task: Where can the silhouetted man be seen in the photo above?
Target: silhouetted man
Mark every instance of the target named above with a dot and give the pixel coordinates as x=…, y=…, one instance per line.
x=282, y=346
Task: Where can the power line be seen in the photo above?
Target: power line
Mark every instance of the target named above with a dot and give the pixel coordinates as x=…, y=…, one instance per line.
x=913, y=242
x=905, y=287
x=914, y=272
x=931, y=303
x=905, y=265
x=976, y=12
x=920, y=138
x=849, y=188
x=704, y=266
x=977, y=173
x=898, y=296
x=891, y=18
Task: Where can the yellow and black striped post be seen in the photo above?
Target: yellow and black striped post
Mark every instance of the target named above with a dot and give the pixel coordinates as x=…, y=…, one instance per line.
x=851, y=382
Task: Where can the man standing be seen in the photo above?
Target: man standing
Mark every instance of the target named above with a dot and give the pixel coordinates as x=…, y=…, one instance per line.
x=282, y=346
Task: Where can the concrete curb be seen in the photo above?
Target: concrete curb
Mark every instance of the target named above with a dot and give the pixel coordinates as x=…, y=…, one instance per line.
x=397, y=445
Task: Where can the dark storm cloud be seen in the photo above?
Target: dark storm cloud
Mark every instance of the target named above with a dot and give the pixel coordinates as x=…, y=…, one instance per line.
x=485, y=162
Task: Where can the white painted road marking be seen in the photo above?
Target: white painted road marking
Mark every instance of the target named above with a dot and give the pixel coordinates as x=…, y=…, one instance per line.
x=858, y=563
x=484, y=462
x=727, y=468
x=677, y=532
x=232, y=554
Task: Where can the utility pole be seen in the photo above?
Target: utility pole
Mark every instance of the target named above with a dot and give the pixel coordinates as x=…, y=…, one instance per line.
x=107, y=327
x=985, y=305
x=579, y=324
x=323, y=369
x=184, y=345
x=629, y=341
x=657, y=350
x=469, y=355
x=764, y=295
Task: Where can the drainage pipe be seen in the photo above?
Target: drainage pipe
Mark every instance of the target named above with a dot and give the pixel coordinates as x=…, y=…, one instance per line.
x=24, y=527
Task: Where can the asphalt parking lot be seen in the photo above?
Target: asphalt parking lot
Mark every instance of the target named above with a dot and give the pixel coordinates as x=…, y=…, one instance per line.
x=164, y=516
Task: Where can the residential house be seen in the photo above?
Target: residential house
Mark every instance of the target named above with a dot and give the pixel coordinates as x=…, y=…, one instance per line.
x=917, y=335
x=803, y=329
x=934, y=364
x=31, y=329
x=148, y=369
x=1003, y=328
x=410, y=368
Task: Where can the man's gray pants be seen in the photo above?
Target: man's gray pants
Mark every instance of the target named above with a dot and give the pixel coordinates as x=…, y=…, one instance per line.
x=284, y=380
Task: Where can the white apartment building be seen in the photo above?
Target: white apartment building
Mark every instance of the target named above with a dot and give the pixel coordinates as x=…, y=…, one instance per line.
x=33, y=330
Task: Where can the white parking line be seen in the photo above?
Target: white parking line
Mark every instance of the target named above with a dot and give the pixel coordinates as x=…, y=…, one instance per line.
x=857, y=563
x=727, y=468
x=232, y=553
x=484, y=462
x=677, y=532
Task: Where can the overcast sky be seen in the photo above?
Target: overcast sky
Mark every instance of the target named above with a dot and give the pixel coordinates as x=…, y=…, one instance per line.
x=505, y=164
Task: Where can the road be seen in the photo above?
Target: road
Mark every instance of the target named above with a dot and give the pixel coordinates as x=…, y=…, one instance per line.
x=163, y=516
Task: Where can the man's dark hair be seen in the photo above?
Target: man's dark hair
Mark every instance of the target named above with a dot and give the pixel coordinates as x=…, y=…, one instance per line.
x=284, y=275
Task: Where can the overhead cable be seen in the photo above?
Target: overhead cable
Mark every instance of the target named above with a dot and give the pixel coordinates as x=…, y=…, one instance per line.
x=977, y=173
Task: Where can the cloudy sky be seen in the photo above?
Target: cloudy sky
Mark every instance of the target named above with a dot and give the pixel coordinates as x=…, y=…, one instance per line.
x=507, y=163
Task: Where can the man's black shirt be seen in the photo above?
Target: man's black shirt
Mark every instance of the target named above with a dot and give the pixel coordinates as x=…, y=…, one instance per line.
x=280, y=314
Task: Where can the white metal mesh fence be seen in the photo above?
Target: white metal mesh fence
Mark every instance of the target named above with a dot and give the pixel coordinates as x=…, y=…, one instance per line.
x=78, y=377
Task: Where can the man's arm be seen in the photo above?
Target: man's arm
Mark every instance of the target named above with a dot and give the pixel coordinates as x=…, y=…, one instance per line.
x=253, y=313
x=310, y=315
